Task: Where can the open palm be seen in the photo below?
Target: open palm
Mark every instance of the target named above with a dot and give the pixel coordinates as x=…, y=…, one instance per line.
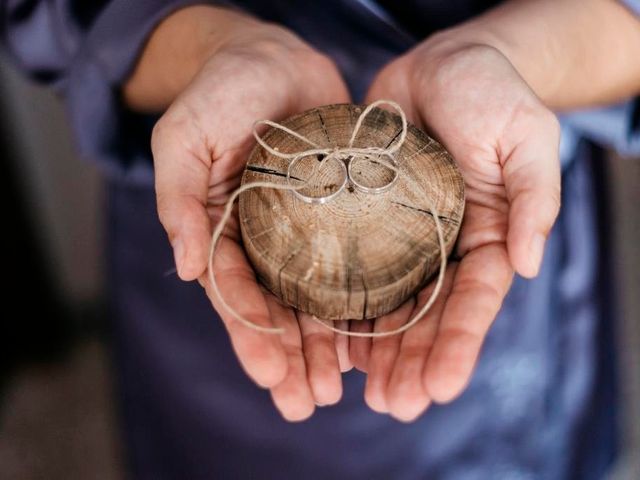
x=506, y=145
x=200, y=148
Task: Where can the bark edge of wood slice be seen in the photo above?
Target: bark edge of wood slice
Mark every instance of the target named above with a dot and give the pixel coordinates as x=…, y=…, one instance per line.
x=360, y=255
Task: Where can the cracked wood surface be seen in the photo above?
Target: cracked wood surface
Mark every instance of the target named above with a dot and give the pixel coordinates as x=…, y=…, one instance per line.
x=360, y=255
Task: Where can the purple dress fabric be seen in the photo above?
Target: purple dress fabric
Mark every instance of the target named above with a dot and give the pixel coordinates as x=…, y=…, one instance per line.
x=542, y=402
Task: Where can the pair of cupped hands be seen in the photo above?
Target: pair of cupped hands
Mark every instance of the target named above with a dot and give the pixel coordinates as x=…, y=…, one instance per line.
x=470, y=98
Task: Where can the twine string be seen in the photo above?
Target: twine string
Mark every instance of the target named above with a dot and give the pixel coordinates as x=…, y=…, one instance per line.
x=372, y=154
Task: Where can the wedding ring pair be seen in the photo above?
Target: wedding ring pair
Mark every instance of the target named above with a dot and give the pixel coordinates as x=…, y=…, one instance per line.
x=348, y=177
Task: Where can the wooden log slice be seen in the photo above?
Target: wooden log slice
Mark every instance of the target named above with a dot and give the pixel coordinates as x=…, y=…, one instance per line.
x=360, y=255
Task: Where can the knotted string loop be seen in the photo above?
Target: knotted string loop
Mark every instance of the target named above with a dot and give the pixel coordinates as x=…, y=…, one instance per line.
x=348, y=154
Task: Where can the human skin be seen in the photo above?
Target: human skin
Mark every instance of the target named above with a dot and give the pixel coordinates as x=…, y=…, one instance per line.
x=216, y=86
x=485, y=89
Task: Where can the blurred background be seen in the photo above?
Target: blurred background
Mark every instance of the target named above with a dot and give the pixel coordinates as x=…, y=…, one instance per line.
x=58, y=413
x=57, y=409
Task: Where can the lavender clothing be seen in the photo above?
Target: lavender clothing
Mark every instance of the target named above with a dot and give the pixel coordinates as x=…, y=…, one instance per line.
x=541, y=404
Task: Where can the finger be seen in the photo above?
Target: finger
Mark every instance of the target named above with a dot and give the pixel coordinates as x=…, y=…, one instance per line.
x=342, y=347
x=481, y=282
x=181, y=181
x=321, y=359
x=391, y=84
x=261, y=354
x=532, y=180
x=360, y=347
x=407, y=397
x=384, y=351
x=293, y=396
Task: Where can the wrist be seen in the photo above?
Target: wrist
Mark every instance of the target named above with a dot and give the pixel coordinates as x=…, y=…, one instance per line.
x=572, y=54
x=177, y=50
x=477, y=36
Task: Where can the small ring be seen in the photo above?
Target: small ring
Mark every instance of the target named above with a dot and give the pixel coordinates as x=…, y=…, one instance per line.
x=326, y=198
x=374, y=190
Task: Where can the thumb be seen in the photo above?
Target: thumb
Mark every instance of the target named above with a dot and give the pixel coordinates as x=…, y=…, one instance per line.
x=181, y=180
x=391, y=84
x=532, y=180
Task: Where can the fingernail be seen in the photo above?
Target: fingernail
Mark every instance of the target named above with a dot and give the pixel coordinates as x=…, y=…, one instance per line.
x=536, y=251
x=178, y=254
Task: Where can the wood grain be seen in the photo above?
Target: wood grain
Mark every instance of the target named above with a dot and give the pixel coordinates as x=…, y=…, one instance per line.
x=360, y=255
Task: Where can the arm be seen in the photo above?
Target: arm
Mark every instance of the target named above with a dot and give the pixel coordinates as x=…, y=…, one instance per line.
x=174, y=53
x=86, y=50
x=484, y=89
x=572, y=53
x=177, y=50
x=219, y=71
